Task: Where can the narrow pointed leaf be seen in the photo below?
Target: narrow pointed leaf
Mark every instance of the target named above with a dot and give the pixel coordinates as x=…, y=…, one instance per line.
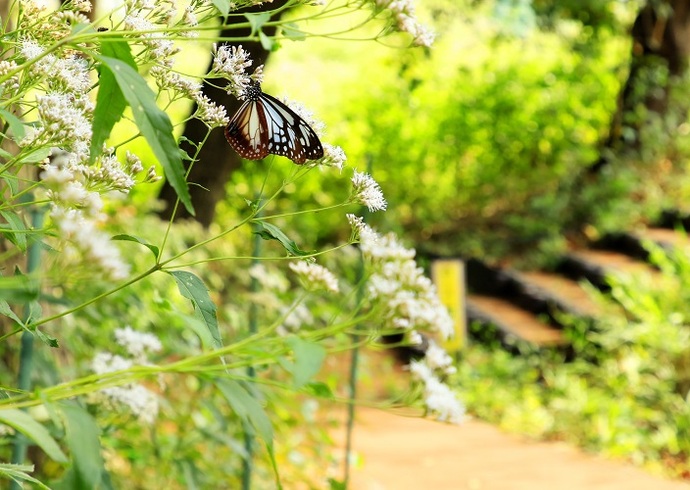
x=194, y=289
x=82, y=436
x=24, y=423
x=247, y=407
x=110, y=102
x=132, y=238
x=268, y=231
x=153, y=123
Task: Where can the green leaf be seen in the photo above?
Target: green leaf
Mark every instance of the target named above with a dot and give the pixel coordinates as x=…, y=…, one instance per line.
x=153, y=123
x=267, y=231
x=194, y=289
x=47, y=339
x=18, y=227
x=16, y=124
x=24, y=423
x=292, y=31
x=267, y=42
x=308, y=359
x=198, y=326
x=246, y=407
x=132, y=238
x=257, y=20
x=223, y=6
x=110, y=102
x=319, y=389
x=6, y=310
x=36, y=156
x=82, y=437
x=19, y=473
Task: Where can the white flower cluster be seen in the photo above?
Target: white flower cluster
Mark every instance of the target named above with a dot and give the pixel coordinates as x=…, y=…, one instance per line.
x=69, y=74
x=367, y=191
x=141, y=401
x=11, y=85
x=333, y=156
x=230, y=63
x=315, y=276
x=149, y=21
x=438, y=397
x=73, y=187
x=403, y=13
x=137, y=344
x=408, y=301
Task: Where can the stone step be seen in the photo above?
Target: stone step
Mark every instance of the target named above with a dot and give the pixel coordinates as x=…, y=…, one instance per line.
x=595, y=264
x=562, y=293
x=513, y=322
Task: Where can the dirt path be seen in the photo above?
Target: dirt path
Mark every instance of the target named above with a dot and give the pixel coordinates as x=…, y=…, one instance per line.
x=402, y=453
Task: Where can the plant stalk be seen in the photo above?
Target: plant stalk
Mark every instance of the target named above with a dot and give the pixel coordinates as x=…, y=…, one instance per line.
x=251, y=373
x=26, y=353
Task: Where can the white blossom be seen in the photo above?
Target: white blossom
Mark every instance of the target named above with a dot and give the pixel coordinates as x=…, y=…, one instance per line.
x=315, y=276
x=231, y=62
x=368, y=192
x=137, y=344
x=333, y=156
x=405, y=20
x=210, y=113
x=438, y=397
x=88, y=242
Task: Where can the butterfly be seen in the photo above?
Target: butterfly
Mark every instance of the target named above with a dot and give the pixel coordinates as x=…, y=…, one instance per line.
x=264, y=125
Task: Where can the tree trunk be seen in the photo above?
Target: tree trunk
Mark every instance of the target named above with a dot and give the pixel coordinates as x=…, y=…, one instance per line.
x=659, y=41
x=217, y=160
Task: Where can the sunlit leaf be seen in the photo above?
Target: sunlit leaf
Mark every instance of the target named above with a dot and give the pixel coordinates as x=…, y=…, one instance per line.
x=132, y=238
x=153, y=123
x=268, y=231
x=194, y=289
x=110, y=102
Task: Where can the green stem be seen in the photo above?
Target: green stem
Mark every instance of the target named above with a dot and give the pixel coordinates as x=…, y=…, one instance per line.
x=251, y=373
x=21, y=443
x=354, y=365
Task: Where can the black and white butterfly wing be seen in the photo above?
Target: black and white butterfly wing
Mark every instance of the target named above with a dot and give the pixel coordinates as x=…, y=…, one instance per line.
x=264, y=125
x=247, y=131
x=288, y=134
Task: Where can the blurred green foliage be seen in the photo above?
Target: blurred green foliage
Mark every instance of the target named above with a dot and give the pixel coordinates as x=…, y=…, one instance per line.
x=481, y=144
x=625, y=392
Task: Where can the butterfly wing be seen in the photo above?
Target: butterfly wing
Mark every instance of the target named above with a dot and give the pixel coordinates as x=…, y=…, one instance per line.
x=247, y=132
x=288, y=134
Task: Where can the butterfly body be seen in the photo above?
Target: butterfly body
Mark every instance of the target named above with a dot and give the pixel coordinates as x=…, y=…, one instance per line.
x=263, y=125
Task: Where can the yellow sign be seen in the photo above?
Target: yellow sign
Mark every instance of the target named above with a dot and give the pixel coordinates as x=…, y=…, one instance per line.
x=449, y=277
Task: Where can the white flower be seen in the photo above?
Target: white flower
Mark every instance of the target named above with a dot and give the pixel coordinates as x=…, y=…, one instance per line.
x=368, y=192
x=137, y=344
x=438, y=359
x=231, y=62
x=333, y=156
x=315, y=276
x=438, y=397
x=269, y=280
x=210, y=113
x=105, y=362
x=94, y=246
x=403, y=15
x=295, y=319
x=12, y=84
x=383, y=248
x=139, y=400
